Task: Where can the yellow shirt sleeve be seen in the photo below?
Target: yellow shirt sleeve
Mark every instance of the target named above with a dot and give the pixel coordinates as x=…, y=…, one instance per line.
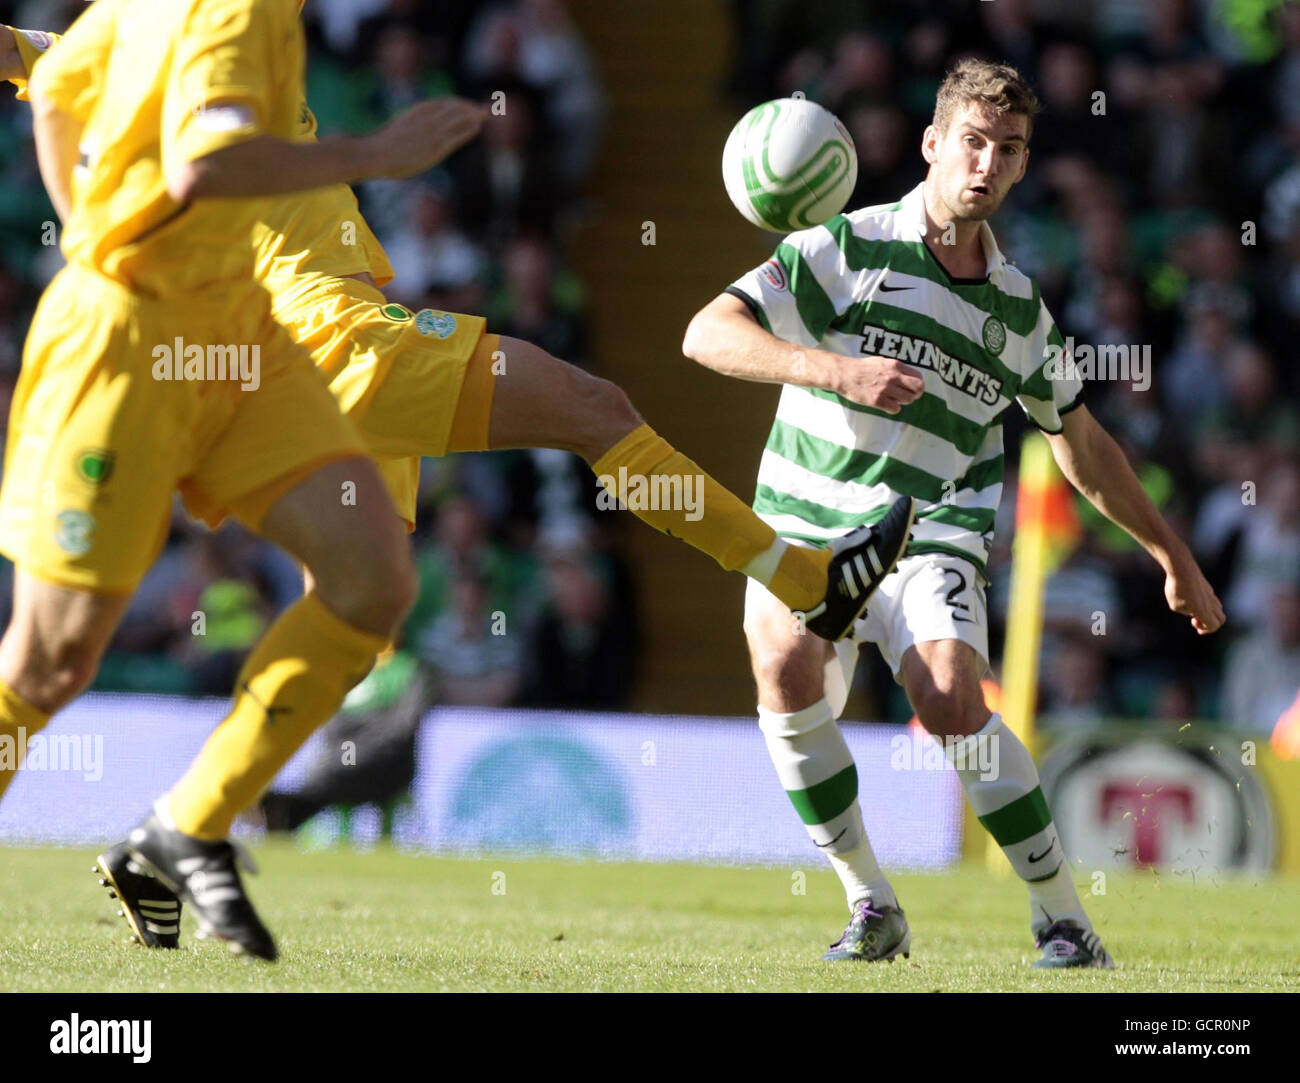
x=237, y=74
x=72, y=75
x=32, y=45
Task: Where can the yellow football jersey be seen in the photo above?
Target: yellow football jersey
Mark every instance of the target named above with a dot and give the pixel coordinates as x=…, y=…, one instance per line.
x=315, y=233
x=177, y=80
x=318, y=232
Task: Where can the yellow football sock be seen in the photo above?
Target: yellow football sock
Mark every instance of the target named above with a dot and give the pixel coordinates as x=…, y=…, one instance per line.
x=800, y=578
x=19, y=720
x=294, y=681
x=661, y=486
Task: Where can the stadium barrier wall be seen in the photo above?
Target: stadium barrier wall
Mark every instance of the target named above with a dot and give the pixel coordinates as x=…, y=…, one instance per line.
x=615, y=786
x=652, y=787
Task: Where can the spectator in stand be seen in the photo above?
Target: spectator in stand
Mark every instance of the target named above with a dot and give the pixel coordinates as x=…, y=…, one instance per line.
x=538, y=301
x=1105, y=255
x=461, y=542
x=582, y=651
x=1191, y=381
x=340, y=19
x=472, y=650
x=1133, y=415
x=1262, y=672
x=1175, y=701
x=1283, y=290
x=1076, y=123
x=1012, y=32
x=506, y=178
x=233, y=608
x=861, y=66
x=406, y=67
x=1286, y=81
x=1251, y=412
x=1216, y=261
x=886, y=158
x=1268, y=559
x=1171, y=77
x=534, y=43
x=431, y=253
x=1074, y=686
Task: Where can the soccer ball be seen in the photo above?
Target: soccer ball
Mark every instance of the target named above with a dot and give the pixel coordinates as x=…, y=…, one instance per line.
x=789, y=164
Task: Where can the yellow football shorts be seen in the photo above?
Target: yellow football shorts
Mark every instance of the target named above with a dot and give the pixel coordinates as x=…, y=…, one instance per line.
x=124, y=399
x=415, y=383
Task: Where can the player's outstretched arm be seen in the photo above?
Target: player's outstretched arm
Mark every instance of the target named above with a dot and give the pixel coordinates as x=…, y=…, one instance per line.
x=1096, y=466
x=417, y=140
x=724, y=336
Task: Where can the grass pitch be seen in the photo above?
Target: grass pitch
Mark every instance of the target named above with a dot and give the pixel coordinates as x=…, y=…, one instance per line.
x=396, y=922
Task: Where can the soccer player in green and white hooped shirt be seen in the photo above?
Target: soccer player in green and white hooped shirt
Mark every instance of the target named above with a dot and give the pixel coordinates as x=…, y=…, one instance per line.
x=901, y=334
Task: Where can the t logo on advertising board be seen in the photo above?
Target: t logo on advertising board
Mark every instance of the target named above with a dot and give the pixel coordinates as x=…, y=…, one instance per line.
x=1146, y=808
x=1126, y=798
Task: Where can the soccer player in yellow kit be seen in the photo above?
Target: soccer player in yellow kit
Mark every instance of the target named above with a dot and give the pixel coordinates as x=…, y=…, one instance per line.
x=120, y=402
x=428, y=383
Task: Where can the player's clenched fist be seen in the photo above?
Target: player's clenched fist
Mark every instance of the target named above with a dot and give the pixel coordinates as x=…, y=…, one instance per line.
x=880, y=382
x=1188, y=592
x=425, y=135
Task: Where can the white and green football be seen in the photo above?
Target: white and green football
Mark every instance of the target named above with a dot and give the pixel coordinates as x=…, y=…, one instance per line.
x=789, y=164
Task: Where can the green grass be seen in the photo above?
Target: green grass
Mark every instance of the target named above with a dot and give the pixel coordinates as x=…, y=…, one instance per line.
x=395, y=922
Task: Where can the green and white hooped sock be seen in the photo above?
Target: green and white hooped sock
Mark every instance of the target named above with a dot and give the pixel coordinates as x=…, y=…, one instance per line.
x=816, y=769
x=1001, y=784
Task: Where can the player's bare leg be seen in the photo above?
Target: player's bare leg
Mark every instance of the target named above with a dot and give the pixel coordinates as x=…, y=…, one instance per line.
x=541, y=401
x=942, y=681
x=817, y=771
x=50, y=653
x=325, y=533
x=789, y=667
x=941, y=678
x=316, y=650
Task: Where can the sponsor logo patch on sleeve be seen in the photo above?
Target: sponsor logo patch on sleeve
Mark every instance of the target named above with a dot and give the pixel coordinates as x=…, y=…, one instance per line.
x=225, y=118
x=39, y=39
x=773, y=274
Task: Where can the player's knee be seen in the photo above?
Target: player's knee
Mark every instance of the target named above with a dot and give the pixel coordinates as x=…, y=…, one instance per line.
x=376, y=595
x=393, y=587
x=784, y=675
x=60, y=673
x=946, y=711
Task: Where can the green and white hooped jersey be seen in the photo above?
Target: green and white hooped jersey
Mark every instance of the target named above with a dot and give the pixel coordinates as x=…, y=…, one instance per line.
x=864, y=284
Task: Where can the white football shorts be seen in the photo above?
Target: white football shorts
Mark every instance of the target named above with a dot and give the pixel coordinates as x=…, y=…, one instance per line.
x=927, y=597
